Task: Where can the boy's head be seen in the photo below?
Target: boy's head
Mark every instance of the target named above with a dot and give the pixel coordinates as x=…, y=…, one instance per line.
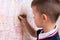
x=46, y=11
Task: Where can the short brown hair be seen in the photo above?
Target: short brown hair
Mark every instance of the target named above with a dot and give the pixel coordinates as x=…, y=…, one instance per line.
x=50, y=7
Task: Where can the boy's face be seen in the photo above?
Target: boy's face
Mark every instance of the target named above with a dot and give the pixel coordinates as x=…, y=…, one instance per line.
x=37, y=17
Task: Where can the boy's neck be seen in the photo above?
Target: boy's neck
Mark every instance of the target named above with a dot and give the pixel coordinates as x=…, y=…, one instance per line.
x=49, y=28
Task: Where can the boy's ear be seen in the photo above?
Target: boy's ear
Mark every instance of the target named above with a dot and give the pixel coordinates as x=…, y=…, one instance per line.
x=44, y=17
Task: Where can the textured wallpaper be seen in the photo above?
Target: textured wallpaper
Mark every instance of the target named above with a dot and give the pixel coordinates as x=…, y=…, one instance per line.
x=10, y=28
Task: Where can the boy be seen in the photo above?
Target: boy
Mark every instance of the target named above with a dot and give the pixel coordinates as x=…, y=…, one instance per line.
x=46, y=13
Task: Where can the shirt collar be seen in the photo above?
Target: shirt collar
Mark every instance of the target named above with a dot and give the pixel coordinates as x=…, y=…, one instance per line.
x=48, y=34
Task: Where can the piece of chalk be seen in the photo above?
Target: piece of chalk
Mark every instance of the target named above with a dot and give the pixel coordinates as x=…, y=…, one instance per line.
x=23, y=16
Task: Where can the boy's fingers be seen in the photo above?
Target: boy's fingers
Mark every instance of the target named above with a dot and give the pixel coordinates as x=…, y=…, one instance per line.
x=20, y=18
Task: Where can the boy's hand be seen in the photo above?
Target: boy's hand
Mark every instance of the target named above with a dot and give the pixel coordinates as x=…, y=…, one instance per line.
x=24, y=22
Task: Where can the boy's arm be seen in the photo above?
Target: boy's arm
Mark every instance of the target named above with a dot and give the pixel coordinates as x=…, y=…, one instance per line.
x=24, y=22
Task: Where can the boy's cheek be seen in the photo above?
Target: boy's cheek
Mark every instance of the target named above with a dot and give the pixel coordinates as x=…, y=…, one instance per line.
x=37, y=22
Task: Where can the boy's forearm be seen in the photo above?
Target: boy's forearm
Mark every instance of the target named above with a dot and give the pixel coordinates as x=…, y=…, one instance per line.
x=30, y=29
